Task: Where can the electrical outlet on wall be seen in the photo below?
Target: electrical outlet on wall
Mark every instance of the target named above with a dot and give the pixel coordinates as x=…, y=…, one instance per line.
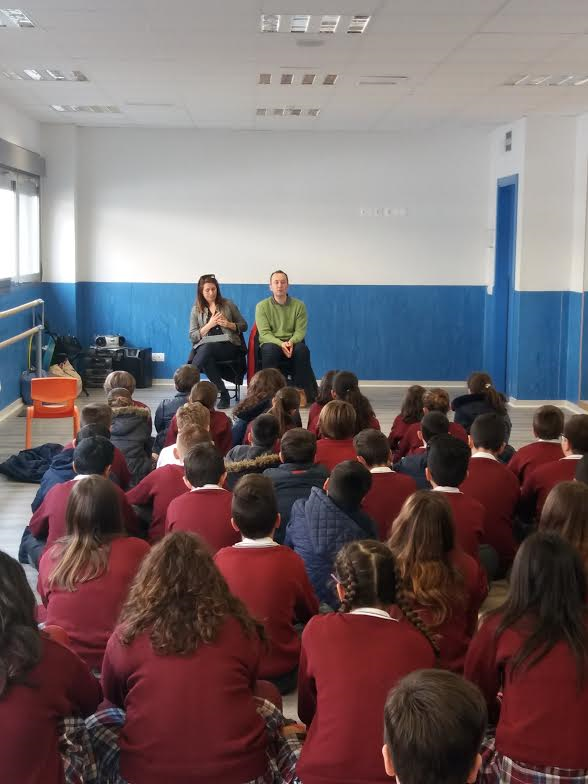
x=158, y=357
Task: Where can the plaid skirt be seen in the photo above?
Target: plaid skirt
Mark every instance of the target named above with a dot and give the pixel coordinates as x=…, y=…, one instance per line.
x=498, y=769
x=77, y=753
x=285, y=743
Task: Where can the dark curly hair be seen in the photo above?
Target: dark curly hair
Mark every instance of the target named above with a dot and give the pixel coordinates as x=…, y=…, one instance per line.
x=20, y=638
x=263, y=386
x=181, y=599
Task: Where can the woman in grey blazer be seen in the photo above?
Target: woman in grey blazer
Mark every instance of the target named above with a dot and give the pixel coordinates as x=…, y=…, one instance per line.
x=215, y=331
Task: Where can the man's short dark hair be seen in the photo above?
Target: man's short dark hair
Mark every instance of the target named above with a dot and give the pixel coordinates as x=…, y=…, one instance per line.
x=434, y=723
x=548, y=422
x=255, y=507
x=576, y=431
x=582, y=470
x=96, y=413
x=279, y=272
x=92, y=455
x=434, y=424
x=88, y=431
x=204, y=465
x=298, y=445
x=349, y=483
x=448, y=460
x=185, y=377
x=265, y=431
x=488, y=431
x=373, y=446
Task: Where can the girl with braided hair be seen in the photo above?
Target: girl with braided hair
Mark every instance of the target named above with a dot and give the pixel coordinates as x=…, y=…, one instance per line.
x=350, y=660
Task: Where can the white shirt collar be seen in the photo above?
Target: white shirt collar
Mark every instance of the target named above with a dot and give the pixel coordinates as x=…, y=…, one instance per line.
x=265, y=541
x=375, y=612
x=206, y=487
x=80, y=476
x=447, y=489
x=487, y=455
x=381, y=470
x=549, y=440
x=572, y=457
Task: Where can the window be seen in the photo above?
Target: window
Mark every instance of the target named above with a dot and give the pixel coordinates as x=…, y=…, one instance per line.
x=20, y=257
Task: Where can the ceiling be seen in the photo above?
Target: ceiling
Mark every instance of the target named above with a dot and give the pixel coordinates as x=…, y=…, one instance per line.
x=186, y=64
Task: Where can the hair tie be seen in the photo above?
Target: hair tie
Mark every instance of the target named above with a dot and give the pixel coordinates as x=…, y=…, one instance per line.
x=487, y=386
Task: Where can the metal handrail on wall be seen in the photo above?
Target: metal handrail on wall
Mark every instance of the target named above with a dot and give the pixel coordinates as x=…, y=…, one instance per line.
x=36, y=329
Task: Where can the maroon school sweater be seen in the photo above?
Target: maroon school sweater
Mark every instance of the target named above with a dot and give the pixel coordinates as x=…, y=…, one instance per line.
x=411, y=443
x=206, y=512
x=89, y=614
x=60, y=685
x=330, y=451
x=469, y=518
x=314, y=413
x=348, y=664
x=119, y=466
x=544, y=713
x=158, y=489
x=190, y=719
x=497, y=489
x=397, y=431
x=221, y=431
x=529, y=457
x=540, y=482
x=49, y=519
x=272, y=582
x=456, y=632
x=383, y=502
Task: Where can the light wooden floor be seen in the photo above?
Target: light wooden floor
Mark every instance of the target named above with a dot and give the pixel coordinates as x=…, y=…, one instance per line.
x=15, y=498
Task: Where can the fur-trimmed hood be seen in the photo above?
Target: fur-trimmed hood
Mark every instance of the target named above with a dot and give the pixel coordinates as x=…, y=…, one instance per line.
x=250, y=465
x=124, y=410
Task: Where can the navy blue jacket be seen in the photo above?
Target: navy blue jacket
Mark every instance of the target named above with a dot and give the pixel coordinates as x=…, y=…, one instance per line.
x=317, y=530
x=414, y=466
x=163, y=417
x=468, y=407
x=293, y=481
x=29, y=465
x=60, y=470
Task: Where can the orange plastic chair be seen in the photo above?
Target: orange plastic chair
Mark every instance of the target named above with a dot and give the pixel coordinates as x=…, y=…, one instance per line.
x=53, y=398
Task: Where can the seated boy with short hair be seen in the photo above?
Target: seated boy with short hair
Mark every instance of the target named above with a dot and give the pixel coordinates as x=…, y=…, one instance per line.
x=269, y=578
x=432, y=424
x=190, y=414
x=122, y=379
x=91, y=456
x=548, y=425
x=434, y=725
x=184, y=379
x=329, y=518
x=159, y=488
x=259, y=455
x=540, y=481
x=492, y=484
x=297, y=473
x=206, y=509
x=447, y=469
x=389, y=489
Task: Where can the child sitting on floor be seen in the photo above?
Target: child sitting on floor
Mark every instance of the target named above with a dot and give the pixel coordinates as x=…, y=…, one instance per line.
x=259, y=455
x=190, y=414
x=548, y=425
x=260, y=393
x=121, y=379
x=435, y=399
x=205, y=392
x=286, y=409
x=269, y=578
x=323, y=397
x=337, y=425
x=433, y=424
x=411, y=412
x=184, y=379
x=131, y=433
x=346, y=387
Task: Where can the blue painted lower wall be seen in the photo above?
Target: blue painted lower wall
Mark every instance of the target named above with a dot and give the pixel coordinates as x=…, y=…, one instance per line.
x=13, y=359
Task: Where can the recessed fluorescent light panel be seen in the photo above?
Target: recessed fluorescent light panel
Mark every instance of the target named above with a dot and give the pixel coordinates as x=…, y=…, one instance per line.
x=330, y=79
x=46, y=75
x=14, y=17
x=329, y=23
x=286, y=78
x=299, y=23
x=285, y=111
x=270, y=23
x=306, y=79
x=358, y=24
x=264, y=78
x=85, y=109
x=548, y=80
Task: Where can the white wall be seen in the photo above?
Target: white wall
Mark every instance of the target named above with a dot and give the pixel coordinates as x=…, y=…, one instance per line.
x=579, y=270
x=19, y=129
x=168, y=205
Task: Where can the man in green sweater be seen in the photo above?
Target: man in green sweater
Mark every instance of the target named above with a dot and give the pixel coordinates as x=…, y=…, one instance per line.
x=281, y=324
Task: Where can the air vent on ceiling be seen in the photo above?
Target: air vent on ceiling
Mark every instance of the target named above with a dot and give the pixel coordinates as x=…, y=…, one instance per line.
x=306, y=79
x=286, y=78
x=58, y=107
x=45, y=75
x=264, y=78
x=286, y=111
x=547, y=80
x=382, y=80
x=14, y=17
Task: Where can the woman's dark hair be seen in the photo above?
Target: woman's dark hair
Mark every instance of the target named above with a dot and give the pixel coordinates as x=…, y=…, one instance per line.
x=346, y=387
x=422, y=539
x=93, y=518
x=180, y=599
x=411, y=410
x=201, y=303
x=326, y=387
x=20, y=639
x=546, y=602
x=263, y=386
x=480, y=383
x=285, y=404
x=566, y=512
x=367, y=571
